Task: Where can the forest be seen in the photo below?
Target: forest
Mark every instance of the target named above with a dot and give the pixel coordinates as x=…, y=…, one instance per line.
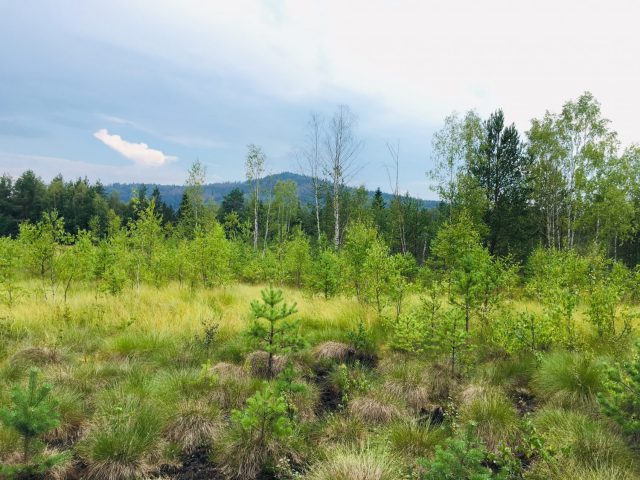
x=353, y=336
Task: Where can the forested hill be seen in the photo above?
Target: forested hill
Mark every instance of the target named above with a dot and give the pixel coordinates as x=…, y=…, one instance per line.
x=172, y=194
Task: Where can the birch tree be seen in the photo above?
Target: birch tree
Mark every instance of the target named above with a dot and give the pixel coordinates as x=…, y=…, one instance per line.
x=312, y=154
x=341, y=150
x=254, y=165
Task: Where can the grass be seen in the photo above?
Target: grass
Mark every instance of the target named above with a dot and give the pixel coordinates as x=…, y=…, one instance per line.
x=585, y=444
x=492, y=412
x=362, y=464
x=569, y=379
x=137, y=389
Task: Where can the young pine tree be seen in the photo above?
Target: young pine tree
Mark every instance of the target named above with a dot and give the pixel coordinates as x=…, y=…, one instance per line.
x=269, y=329
x=622, y=401
x=32, y=414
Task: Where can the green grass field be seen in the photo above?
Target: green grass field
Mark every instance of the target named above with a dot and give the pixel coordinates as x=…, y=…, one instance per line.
x=142, y=395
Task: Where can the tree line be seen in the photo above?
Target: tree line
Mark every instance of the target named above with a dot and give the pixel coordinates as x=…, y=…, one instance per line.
x=564, y=183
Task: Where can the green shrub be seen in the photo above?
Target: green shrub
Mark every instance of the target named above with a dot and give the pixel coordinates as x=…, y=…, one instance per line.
x=621, y=401
x=270, y=330
x=461, y=457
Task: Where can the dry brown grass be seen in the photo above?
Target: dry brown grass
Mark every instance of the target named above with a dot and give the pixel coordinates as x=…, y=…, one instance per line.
x=195, y=424
x=374, y=411
x=35, y=356
x=224, y=369
x=258, y=364
x=333, y=352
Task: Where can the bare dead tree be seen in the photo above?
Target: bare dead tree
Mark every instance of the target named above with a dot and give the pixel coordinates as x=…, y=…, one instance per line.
x=394, y=151
x=341, y=150
x=311, y=161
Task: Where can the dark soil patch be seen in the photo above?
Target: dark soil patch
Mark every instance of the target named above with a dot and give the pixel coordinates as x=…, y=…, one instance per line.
x=434, y=417
x=525, y=400
x=195, y=466
x=330, y=394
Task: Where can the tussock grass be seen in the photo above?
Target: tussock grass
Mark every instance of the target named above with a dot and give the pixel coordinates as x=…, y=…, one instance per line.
x=491, y=411
x=363, y=464
x=194, y=424
x=124, y=440
x=584, y=442
x=374, y=411
x=135, y=384
x=569, y=379
x=338, y=429
x=412, y=440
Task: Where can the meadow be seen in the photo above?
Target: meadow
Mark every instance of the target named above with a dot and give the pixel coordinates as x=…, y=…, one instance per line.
x=163, y=383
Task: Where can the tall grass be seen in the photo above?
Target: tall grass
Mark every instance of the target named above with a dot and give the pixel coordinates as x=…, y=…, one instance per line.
x=569, y=379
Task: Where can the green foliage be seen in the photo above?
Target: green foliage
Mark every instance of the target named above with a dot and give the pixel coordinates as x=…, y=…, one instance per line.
x=557, y=279
x=621, y=398
x=260, y=435
x=452, y=337
x=410, y=334
x=269, y=328
x=265, y=417
x=325, y=276
x=32, y=414
x=460, y=457
x=361, y=338
x=288, y=387
x=516, y=332
x=569, y=379
x=9, y=262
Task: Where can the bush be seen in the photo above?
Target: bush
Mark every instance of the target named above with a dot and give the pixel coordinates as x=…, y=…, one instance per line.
x=622, y=398
x=461, y=457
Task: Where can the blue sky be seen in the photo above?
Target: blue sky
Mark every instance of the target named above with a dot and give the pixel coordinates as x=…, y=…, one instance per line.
x=137, y=90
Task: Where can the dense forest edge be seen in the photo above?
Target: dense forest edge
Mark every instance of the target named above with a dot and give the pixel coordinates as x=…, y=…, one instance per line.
x=294, y=327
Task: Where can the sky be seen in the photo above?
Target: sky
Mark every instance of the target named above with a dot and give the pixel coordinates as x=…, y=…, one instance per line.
x=135, y=91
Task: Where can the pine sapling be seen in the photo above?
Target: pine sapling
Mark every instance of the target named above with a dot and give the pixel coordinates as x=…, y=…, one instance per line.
x=276, y=334
x=32, y=414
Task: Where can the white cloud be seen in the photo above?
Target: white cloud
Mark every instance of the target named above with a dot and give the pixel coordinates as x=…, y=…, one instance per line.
x=48, y=167
x=139, y=153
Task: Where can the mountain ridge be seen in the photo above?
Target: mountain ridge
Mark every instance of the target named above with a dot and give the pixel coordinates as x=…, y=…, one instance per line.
x=172, y=194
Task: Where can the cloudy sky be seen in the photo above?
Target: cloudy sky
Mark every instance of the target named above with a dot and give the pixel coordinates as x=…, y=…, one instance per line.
x=131, y=90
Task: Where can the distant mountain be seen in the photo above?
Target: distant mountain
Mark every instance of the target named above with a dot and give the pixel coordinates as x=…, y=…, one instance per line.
x=172, y=194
